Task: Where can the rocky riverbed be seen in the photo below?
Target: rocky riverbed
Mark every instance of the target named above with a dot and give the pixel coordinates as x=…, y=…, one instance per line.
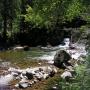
x=29, y=76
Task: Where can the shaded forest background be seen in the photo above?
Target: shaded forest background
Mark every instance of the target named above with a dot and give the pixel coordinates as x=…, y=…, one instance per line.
x=36, y=22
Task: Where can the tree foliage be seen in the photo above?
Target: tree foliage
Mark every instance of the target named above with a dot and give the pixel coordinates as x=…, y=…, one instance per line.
x=24, y=15
x=50, y=12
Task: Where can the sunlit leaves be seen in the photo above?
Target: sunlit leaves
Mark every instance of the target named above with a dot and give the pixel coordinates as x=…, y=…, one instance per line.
x=74, y=9
x=48, y=12
x=33, y=17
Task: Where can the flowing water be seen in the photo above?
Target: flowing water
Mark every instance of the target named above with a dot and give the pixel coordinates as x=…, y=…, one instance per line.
x=4, y=82
x=43, y=53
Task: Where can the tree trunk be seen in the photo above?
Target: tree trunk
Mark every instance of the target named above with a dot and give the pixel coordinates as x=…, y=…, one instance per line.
x=5, y=30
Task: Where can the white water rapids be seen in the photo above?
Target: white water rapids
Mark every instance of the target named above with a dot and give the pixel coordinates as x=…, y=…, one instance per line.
x=53, y=50
x=75, y=53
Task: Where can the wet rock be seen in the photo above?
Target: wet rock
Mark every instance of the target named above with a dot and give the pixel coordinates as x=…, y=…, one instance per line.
x=40, y=69
x=66, y=75
x=31, y=83
x=54, y=69
x=30, y=70
x=26, y=48
x=11, y=69
x=29, y=75
x=14, y=74
x=39, y=76
x=61, y=57
x=23, y=85
x=24, y=72
x=72, y=62
x=55, y=88
x=35, y=80
x=71, y=70
x=39, y=63
x=23, y=76
x=23, y=80
x=67, y=41
x=18, y=48
x=48, y=70
x=52, y=73
x=17, y=85
x=45, y=76
x=17, y=78
x=50, y=62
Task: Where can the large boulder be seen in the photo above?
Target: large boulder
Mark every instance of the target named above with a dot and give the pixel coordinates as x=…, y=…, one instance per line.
x=61, y=58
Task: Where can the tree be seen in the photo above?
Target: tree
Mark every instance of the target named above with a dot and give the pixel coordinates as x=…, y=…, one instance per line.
x=9, y=10
x=50, y=13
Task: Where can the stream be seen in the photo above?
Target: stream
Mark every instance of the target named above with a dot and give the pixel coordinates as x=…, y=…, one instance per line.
x=43, y=53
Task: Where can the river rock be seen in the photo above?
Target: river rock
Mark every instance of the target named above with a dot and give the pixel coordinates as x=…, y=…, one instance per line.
x=66, y=75
x=15, y=74
x=50, y=62
x=26, y=48
x=23, y=85
x=54, y=88
x=61, y=57
x=11, y=69
x=39, y=76
x=45, y=76
x=35, y=80
x=17, y=85
x=52, y=73
x=29, y=75
x=70, y=68
x=54, y=69
x=18, y=48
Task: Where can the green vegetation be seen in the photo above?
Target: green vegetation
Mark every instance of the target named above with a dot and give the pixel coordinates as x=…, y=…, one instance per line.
x=81, y=81
x=49, y=13
x=43, y=22
x=32, y=17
